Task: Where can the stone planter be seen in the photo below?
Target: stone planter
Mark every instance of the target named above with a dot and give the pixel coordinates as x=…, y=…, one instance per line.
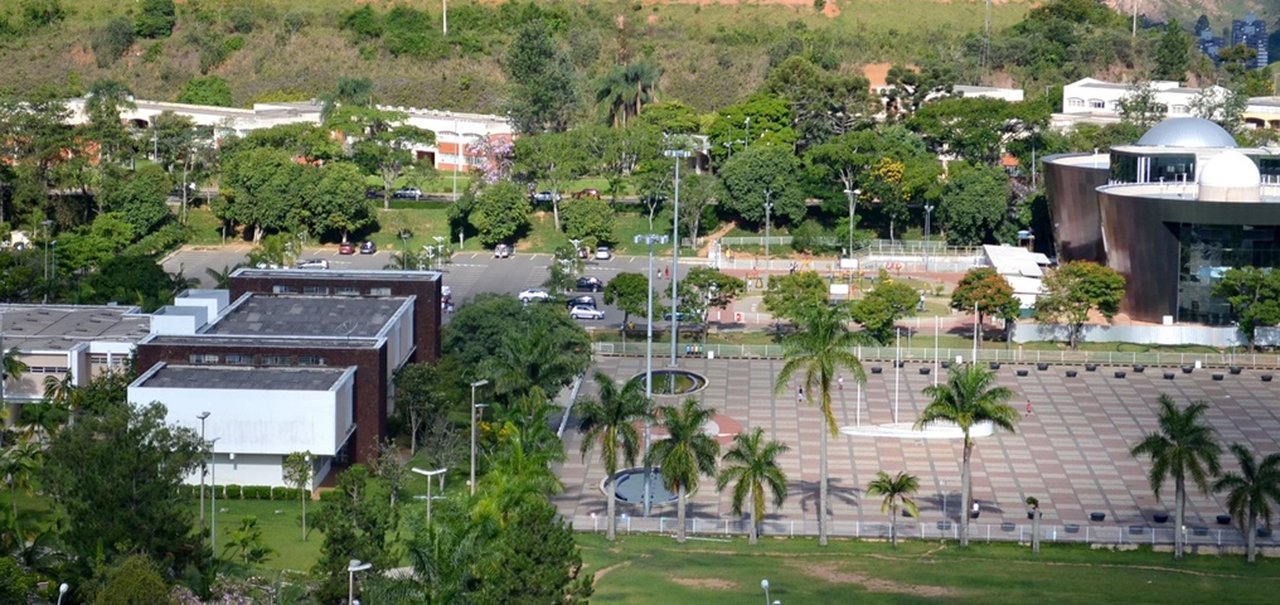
x=1120, y=374
x=1218, y=377
x=1072, y=528
x=1022, y=372
x=1097, y=517
x=925, y=370
x=1224, y=519
x=1042, y=366
x=876, y=369
x=946, y=365
x=1168, y=375
x=1139, y=368
x=1235, y=370
x=1008, y=526
x=1071, y=373
x=1160, y=517
x=1187, y=369
x=1090, y=367
x=995, y=365
x=1266, y=378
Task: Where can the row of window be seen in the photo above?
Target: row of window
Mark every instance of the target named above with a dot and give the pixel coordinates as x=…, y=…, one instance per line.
x=327, y=291
x=236, y=359
x=1077, y=102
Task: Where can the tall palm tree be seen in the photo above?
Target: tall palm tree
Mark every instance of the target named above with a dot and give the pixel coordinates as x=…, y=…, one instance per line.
x=968, y=397
x=615, y=95
x=751, y=464
x=17, y=463
x=896, y=490
x=817, y=353
x=643, y=76
x=14, y=367
x=61, y=391
x=1183, y=448
x=611, y=420
x=1251, y=493
x=685, y=454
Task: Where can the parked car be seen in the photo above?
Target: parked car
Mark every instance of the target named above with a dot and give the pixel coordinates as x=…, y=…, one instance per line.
x=532, y=294
x=502, y=251
x=590, y=283
x=604, y=253
x=682, y=316
x=313, y=263
x=373, y=193
x=593, y=194
x=586, y=313
x=546, y=197
x=408, y=193
x=346, y=248
x=368, y=248
x=586, y=300
x=266, y=265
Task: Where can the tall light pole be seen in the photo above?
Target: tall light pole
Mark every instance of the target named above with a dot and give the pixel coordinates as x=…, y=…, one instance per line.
x=213, y=498
x=474, y=386
x=62, y=590
x=928, y=215
x=679, y=155
x=648, y=239
x=429, y=475
x=768, y=206
x=47, y=233
x=457, y=144
x=203, y=416
x=354, y=566
x=852, y=195
x=765, y=585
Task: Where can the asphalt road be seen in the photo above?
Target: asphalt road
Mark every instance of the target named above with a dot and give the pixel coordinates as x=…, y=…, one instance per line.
x=470, y=273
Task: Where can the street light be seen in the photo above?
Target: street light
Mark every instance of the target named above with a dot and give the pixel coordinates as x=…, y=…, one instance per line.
x=852, y=195
x=47, y=223
x=648, y=239
x=354, y=566
x=474, y=386
x=203, y=416
x=213, y=497
x=765, y=585
x=62, y=590
x=679, y=155
x=928, y=215
x=429, y=475
x=768, y=206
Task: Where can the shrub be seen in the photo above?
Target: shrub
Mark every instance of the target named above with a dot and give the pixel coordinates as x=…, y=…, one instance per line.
x=209, y=90
x=811, y=237
x=364, y=23
x=166, y=238
x=112, y=41
x=40, y=13
x=233, y=492
x=155, y=19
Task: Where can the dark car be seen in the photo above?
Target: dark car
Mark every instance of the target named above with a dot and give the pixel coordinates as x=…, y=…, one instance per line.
x=346, y=248
x=368, y=248
x=546, y=197
x=590, y=283
x=586, y=300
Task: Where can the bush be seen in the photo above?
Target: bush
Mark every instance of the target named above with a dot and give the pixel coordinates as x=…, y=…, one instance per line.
x=286, y=493
x=233, y=492
x=811, y=237
x=209, y=90
x=40, y=13
x=112, y=41
x=155, y=19
x=166, y=238
x=364, y=23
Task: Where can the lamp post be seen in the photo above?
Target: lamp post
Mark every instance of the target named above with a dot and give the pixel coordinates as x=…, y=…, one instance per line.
x=47, y=223
x=768, y=207
x=213, y=498
x=354, y=566
x=474, y=386
x=203, y=416
x=429, y=475
x=53, y=265
x=764, y=584
x=62, y=590
x=648, y=239
x=928, y=216
x=852, y=195
x=679, y=155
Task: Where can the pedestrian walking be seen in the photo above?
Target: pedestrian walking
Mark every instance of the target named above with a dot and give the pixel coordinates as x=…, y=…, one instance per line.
x=840, y=382
x=1028, y=409
x=800, y=395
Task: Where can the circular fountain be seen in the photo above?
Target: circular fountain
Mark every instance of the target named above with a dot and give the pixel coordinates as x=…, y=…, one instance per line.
x=671, y=382
x=630, y=487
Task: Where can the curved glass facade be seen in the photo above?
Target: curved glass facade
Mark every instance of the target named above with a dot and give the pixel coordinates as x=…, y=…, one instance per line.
x=1206, y=252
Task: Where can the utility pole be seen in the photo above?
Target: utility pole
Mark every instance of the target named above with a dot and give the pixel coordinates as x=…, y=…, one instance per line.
x=768, y=206
x=1134, y=33
x=446, y=16
x=852, y=194
x=648, y=239
x=679, y=155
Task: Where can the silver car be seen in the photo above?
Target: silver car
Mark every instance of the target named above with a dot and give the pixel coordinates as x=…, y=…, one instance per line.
x=586, y=313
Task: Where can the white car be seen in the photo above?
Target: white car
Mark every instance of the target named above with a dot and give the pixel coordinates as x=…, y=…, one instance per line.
x=313, y=263
x=603, y=253
x=532, y=294
x=502, y=251
x=586, y=313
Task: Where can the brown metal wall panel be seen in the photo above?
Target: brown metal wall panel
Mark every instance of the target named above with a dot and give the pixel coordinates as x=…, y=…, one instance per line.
x=1073, y=208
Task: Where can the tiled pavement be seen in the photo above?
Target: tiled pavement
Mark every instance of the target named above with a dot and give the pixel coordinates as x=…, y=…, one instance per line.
x=1071, y=453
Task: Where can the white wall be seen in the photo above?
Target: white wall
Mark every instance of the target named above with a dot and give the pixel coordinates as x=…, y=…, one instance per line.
x=1153, y=335
x=255, y=469
x=261, y=421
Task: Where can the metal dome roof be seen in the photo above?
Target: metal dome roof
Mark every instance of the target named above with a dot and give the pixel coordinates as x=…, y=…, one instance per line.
x=1187, y=132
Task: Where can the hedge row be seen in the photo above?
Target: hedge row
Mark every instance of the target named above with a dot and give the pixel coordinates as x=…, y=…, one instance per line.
x=242, y=492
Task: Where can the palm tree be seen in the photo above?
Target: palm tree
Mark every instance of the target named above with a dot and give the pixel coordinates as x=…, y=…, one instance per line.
x=17, y=463
x=643, y=76
x=61, y=391
x=968, y=397
x=752, y=465
x=896, y=490
x=611, y=419
x=1184, y=447
x=817, y=353
x=39, y=421
x=615, y=94
x=686, y=453
x=14, y=367
x=222, y=278
x=405, y=261
x=1251, y=493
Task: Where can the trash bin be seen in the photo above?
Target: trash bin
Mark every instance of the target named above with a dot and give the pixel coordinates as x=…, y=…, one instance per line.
x=711, y=354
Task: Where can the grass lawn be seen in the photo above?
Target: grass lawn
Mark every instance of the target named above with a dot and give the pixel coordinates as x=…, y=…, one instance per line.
x=206, y=229
x=281, y=524
x=657, y=570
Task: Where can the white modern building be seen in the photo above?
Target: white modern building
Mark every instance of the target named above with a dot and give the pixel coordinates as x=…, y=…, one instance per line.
x=1022, y=268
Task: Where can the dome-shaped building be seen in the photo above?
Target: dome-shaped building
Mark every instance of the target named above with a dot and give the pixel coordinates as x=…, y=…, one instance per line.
x=1230, y=176
x=1187, y=133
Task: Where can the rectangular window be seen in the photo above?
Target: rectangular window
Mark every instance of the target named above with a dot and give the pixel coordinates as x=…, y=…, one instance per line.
x=204, y=359
x=278, y=360
x=1097, y=104
x=315, y=290
x=347, y=291
x=281, y=289
x=379, y=291
x=310, y=360
x=240, y=360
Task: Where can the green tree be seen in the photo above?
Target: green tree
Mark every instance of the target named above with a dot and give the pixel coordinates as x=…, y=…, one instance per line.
x=125, y=459
x=551, y=160
x=542, y=95
x=1074, y=289
x=134, y=581
x=425, y=395
x=610, y=421
x=968, y=397
x=385, y=145
x=751, y=465
x=358, y=523
x=883, y=306
x=1141, y=108
x=534, y=561
x=260, y=186
x=623, y=91
x=337, y=202
x=16, y=585
x=687, y=453
x=245, y=543
x=1251, y=493
x=589, y=219
x=1224, y=106
x=975, y=128
x=1254, y=295
x=563, y=271
x=298, y=472
x=793, y=296
x=761, y=119
x=206, y=90
x=989, y=292
x=1183, y=448
x=138, y=198
x=106, y=99
x=907, y=88
x=630, y=293
x=18, y=464
x=704, y=288
x=759, y=173
x=500, y=213
x=130, y=280
x=823, y=104
x=698, y=196
x=817, y=353
x=110, y=42
x=671, y=117
x=179, y=151
x=896, y=491
x=975, y=206
x=155, y=18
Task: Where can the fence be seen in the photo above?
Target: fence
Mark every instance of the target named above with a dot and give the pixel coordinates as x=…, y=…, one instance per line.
x=995, y=355
x=875, y=246
x=1225, y=536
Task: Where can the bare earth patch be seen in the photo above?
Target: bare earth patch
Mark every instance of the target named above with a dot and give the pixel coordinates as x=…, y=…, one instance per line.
x=602, y=572
x=710, y=583
x=830, y=573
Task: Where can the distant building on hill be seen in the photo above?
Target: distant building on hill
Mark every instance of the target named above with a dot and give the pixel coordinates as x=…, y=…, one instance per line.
x=1252, y=33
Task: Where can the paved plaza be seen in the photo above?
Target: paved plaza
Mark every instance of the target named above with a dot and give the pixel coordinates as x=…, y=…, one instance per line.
x=1071, y=452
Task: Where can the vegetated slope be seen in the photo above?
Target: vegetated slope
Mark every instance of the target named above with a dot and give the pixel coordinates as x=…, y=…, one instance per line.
x=712, y=52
